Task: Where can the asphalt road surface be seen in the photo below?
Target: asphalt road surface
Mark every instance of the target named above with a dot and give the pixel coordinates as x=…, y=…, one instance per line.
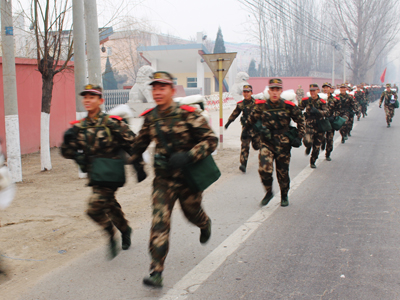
x=338, y=239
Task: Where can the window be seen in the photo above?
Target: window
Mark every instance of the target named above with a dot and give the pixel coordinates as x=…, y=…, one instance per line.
x=192, y=82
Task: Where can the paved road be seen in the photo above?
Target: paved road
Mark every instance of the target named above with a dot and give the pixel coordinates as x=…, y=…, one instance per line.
x=337, y=239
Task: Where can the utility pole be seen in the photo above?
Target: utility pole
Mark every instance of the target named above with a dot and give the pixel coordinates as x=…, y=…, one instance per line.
x=92, y=42
x=10, y=92
x=344, y=59
x=80, y=69
x=333, y=66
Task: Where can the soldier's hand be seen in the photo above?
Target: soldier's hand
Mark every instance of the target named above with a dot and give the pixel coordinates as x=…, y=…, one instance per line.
x=178, y=160
x=140, y=173
x=380, y=106
x=227, y=125
x=314, y=111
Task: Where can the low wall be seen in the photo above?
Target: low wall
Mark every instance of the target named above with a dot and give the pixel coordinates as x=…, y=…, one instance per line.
x=259, y=83
x=29, y=93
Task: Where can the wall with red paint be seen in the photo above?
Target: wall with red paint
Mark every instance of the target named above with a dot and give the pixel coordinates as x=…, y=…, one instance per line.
x=29, y=93
x=259, y=83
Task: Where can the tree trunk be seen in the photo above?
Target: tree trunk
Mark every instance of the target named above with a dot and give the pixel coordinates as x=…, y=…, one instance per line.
x=47, y=91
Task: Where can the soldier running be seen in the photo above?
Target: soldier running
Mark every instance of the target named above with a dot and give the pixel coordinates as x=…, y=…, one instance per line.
x=96, y=144
x=390, y=98
x=275, y=115
x=315, y=110
x=182, y=136
x=334, y=111
x=347, y=109
x=245, y=107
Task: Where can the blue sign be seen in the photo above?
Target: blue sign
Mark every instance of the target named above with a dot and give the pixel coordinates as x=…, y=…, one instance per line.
x=9, y=30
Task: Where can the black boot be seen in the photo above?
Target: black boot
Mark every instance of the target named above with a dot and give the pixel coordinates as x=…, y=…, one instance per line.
x=155, y=279
x=242, y=168
x=268, y=196
x=284, y=200
x=126, y=238
x=205, y=233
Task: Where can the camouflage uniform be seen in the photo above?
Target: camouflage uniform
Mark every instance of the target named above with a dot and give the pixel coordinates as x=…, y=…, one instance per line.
x=389, y=107
x=89, y=139
x=347, y=109
x=313, y=138
x=299, y=95
x=275, y=145
x=245, y=107
x=359, y=98
x=184, y=130
x=334, y=111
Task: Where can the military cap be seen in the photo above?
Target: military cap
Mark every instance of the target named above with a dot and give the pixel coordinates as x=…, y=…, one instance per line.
x=275, y=82
x=92, y=89
x=314, y=87
x=388, y=85
x=326, y=84
x=162, y=77
x=343, y=85
x=247, y=88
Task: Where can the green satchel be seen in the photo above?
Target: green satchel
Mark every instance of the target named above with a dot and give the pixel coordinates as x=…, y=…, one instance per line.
x=107, y=172
x=338, y=122
x=324, y=125
x=396, y=104
x=200, y=175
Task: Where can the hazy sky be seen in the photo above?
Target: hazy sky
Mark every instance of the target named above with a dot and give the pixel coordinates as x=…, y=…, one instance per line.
x=184, y=18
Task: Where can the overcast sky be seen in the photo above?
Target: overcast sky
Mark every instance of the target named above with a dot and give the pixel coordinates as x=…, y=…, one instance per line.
x=184, y=18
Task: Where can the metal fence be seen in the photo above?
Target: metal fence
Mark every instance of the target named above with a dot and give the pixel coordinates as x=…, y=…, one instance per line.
x=115, y=97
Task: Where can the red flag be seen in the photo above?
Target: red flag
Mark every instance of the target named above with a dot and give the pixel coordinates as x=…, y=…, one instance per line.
x=383, y=76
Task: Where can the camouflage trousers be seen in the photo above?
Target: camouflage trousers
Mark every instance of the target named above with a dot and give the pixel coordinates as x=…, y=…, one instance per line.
x=165, y=193
x=313, y=139
x=329, y=135
x=266, y=168
x=389, y=111
x=105, y=210
x=351, y=124
x=364, y=110
x=245, y=149
x=347, y=126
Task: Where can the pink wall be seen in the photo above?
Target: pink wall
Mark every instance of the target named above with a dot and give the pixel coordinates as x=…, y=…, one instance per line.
x=259, y=83
x=29, y=92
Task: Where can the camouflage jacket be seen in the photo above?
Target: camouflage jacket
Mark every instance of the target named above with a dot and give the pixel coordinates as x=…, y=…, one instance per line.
x=360, y=97
x=307, y=104
x=333, y=105
x=93, y=139
x=387, y=96
x=347, y=104
x=275, y=119
x=181, y=128
x=245, y=107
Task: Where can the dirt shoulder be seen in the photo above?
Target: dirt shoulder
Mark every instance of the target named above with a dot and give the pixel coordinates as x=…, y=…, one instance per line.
x=45, y=226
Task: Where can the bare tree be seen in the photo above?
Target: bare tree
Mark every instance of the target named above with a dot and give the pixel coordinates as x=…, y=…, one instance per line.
x=371, y=27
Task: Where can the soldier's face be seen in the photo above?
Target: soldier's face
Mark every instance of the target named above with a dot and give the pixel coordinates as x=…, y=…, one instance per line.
x=314, y=93
x=92, y=102
x=326, y=89
x=275, y=94
x=388, y=89
x=332, y=90
x=343, y=90
x=247, y=95
x=162, y=94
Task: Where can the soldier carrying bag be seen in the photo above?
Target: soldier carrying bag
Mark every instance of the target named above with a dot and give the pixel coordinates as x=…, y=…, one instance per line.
x=105, y=172
x=198, y=175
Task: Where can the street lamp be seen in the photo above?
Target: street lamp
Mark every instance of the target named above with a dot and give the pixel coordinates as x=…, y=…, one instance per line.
x=344, y=59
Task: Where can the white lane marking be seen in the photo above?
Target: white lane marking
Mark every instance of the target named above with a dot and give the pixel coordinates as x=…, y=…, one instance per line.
x=199, y=274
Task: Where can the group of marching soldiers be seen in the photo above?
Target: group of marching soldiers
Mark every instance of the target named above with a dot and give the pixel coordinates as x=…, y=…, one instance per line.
x=266, y=124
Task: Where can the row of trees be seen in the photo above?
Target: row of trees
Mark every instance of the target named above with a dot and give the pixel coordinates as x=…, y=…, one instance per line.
x=297, y=37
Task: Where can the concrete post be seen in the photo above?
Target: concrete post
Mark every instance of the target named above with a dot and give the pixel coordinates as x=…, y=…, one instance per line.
x=10, y=92
x=92, y=42
x=200, y=74
x=80, y=67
